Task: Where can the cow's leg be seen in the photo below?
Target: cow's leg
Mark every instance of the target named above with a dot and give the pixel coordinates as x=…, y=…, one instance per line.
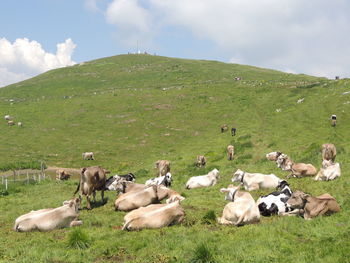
x=295, y=212
x=253, y=187
x=94, y=195
x=75, y=223
x=88, y=205
x=102, y=196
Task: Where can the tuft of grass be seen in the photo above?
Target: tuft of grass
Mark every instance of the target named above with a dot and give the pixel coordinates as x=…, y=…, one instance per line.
x=78, y=239
x=209, y=217
x=202, y=254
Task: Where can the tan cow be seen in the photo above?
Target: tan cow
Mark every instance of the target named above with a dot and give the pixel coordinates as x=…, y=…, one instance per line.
x=230, y=152
x=88, y=156
x=310, y=206
x=163, y=166
x=50, y=218
x=241, y=210
x=10, y=123
x=62, y=175
x=298, y=169
x=329, y=152
x=92, y=179
x=155, y=216
x=272, y=156
x=201, y=161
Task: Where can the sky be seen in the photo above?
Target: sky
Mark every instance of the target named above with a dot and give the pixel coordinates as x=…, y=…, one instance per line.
x=296, y=36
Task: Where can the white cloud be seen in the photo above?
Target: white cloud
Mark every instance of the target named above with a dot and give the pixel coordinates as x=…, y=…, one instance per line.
x=23, y=59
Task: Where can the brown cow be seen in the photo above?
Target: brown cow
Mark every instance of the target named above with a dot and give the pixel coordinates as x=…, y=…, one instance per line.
x=62, y=175
x=329, y=152
x=163, y=166
x=201, y=161
x=230, y=152
x=224, y=128
x=311, y=206
x=92, y=179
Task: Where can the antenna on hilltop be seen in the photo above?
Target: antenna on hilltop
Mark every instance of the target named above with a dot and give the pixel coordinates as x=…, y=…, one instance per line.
x=137, y=48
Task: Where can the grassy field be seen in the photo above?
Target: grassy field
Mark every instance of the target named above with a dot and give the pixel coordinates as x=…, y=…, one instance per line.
x=132, y=110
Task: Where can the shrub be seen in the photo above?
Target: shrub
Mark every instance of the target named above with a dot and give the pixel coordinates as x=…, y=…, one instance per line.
x=202, y=254
x=78, y=239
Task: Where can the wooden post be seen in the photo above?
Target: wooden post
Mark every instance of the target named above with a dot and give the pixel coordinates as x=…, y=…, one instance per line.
x=27, y=178
x=6, y=184
x=14, y=175
x=39, y=177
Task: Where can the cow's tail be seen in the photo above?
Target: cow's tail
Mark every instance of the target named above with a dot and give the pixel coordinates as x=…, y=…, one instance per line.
x=78, y=187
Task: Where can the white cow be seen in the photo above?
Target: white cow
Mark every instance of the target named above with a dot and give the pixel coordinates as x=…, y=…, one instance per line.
x=7, y=117
x=241, y=210
x=161, y=180
x=88, y=156
x=50, y=218
x=203, y=180
x=255, y=181
x=330, y=171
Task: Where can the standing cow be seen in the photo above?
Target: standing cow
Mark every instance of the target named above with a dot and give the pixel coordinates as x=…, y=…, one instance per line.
x=163, y=166
x=88, y=156
x=329, y=152
x=233, y=131
x=201, y=161
x=230, y=152
x=224, y=128
x=92, y=179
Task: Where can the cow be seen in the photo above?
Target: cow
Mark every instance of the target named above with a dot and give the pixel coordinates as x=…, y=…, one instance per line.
x=230, y=152
x=311, y=206
x=62, y=175
x=111, y=182
x=92, y=179
x=329, y=171
x=209, y=179
x=163, y=166
x=154, y=216
x=272, y=156
x=241, y=210
x=88, y=156
x=334, y=120
x=233, y=131
x=201, y=161
x=171, y=195
x=20, y=124
x=50, y=218
x=160, y=180
x=298, y=169
x=256, y=181
x=10, y=123
x=329, y=152
x=275, y=203
x=224, y=128
x=7, y=117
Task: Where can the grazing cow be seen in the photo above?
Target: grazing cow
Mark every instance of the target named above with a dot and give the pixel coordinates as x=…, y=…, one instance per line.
x=88, y=156
x=160, y=180
x=20, y=124
x=209, y=179
x=311, y=206
x=92, y=179
x=112, y=182
x=224, y=128
x=276, y=202
x=10, y=123
x=256, y=181
x=230, y=152
x=163, y=166
x=272, y=156
x=329, y=171
x=334, y=120
x=7, y=117
x=62, y=175
x=154, y=216
x=50, y=218
x=241, y=210
x=238, y=78
x=329, y=152
x=201, y=161
x=233, y=131
x=298, y=169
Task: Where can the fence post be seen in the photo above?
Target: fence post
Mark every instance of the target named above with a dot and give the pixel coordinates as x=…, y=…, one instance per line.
x=6, y=184
x=39, y=177
x=27, y=178
x=14, y=175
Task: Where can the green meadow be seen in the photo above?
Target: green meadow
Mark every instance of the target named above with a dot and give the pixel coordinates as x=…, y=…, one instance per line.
x=132, y=110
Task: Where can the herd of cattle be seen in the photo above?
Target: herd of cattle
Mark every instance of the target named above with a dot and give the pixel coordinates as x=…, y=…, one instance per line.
x=145, y=210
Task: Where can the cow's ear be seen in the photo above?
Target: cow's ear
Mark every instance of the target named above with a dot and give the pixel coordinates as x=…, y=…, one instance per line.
x=224, y=190
x=65, y=202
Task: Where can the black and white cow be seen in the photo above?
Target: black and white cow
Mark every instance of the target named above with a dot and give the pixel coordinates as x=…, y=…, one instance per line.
x=275, y=203
x=161, y=180
x=233, y=131
x=112, y=181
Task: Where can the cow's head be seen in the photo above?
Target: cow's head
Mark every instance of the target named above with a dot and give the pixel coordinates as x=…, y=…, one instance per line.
x=272, y=156
x=282, y=184
x=214, y=172
x=326, y=163
x=238, y=175
x=74, y=202
x=298, y=200
x=230, y=192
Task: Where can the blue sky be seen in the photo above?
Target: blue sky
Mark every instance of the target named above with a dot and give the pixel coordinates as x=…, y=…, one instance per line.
x=298, y=36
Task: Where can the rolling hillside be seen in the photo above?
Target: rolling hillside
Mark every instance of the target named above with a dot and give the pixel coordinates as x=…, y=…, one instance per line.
x=132, y=110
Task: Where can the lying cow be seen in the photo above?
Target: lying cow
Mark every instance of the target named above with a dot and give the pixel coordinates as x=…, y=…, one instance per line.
x=163, y=166
x=329, y=152
x=329, y=171
x=62, y=175
x=88, y=156
x=10, y=123
x=298, y=169
x=224, y=128
x=310, y=206
x=276, y=202
x=50, y=218
x=256, y=181
x=160, y=180
x=201, y=161
x=126, y=186
x=112, y=182
x=203, y=180
x=92, y=179
x=230, y=152
x=154, y=216
x=241, y=210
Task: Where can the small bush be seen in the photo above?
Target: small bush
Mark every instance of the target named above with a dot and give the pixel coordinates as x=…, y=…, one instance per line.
x=202, y=254
x=4, y=192
x=78, y=239
x=209, y=218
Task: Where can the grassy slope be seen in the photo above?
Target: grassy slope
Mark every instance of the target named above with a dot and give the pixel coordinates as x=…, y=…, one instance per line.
x=132, y=110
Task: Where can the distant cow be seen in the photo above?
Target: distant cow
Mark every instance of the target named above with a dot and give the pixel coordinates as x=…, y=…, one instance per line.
x=209, y=179
x=230, y=152
x=233, y=131
x=224, y=128
x=329, y=152
x=163, y=166
x=10, y=123
x=88, y=156
x=334, y=120
x=201, y=161
x=310, y=206
x=20, y=124
x=50, y=218
x=62, y=175
x=111, y=182
x=7, y=117
x=92, y=179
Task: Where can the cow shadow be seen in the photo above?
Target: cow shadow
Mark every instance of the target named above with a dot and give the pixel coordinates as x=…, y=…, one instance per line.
x=96, y=204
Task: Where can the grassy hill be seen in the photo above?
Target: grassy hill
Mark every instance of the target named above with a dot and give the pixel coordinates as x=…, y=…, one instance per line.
x=132, y=110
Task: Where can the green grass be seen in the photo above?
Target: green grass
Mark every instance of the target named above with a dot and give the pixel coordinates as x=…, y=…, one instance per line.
x=133, y=110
